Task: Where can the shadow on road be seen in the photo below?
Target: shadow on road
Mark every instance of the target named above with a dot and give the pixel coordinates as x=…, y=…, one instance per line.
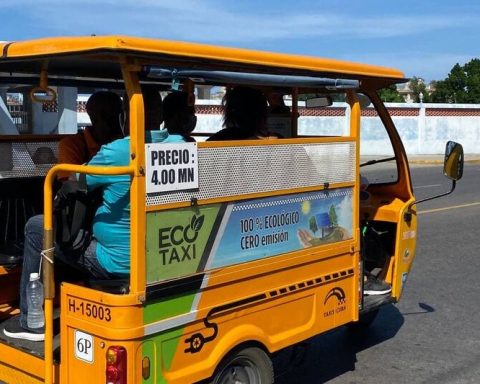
x=426, y=309
x=324, y=357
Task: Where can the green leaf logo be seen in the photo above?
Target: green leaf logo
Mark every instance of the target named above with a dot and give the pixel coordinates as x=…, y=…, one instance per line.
x=197, y=222
x=192, y=222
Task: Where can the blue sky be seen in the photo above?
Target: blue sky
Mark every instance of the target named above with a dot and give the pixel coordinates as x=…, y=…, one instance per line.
x=422, y=38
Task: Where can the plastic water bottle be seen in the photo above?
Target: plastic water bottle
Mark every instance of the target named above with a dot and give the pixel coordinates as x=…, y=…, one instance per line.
x=35, y=316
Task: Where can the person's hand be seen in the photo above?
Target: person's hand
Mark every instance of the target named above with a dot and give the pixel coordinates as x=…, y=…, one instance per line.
x=305, y=238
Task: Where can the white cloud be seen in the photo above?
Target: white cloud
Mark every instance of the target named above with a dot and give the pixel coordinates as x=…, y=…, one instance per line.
x=427, y=65
x=216, y=22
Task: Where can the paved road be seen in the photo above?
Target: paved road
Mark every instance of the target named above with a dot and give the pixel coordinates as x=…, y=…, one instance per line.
x=433, y=334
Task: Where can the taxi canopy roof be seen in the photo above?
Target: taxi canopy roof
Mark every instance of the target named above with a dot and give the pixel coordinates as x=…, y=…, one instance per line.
x=98, y=57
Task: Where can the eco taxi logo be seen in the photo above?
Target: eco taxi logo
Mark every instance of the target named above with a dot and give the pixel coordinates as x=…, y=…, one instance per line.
x=177, y=244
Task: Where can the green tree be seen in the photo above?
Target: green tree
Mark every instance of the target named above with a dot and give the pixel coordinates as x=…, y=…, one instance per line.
x=441, y=93
x=418, y=87
x=472, y=82
x=313, y=224
x=390, y=95
x=333, y=216
x=461, y=86
x=456, y=83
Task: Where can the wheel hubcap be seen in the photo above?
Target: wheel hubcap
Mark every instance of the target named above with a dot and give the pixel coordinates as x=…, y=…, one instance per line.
x=240, y=372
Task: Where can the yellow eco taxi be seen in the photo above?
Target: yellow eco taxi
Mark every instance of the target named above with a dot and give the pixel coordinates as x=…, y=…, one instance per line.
x=238, y=248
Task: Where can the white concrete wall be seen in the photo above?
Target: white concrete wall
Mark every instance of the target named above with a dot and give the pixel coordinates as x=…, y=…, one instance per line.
x=427, y=135
x=421, y=135
x=208, y=123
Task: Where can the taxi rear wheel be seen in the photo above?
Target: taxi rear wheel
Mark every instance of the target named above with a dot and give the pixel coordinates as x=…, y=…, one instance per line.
x=247, y=366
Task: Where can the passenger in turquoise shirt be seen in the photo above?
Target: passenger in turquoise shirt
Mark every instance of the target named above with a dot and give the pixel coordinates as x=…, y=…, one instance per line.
x=108, y=254
x=111, y=225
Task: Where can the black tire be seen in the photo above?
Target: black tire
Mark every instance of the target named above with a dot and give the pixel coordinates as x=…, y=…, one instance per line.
x=364, y=322
x=247, y=366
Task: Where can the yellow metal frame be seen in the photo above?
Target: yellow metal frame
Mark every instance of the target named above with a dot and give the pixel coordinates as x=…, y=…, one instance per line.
x=48, y=244
x=137, y=203
x=226, y=199
x=10, y=360
x=399, y=196
x=355, y=114
x=137, y=190
x=96, y=44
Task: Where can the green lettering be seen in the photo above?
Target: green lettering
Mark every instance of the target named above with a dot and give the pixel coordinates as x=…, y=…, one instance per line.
x=163, y=235
x=163, y=253
x=174, y=256
x=186, y=254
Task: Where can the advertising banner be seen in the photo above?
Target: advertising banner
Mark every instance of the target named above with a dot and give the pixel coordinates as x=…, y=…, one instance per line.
x=266, y=227
x=189, y=240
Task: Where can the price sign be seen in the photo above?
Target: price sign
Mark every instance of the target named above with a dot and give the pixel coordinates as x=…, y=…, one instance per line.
x=171, y=167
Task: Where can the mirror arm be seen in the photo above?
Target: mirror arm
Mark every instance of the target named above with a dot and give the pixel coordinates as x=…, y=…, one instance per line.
x=454, y=184
x=452, y=168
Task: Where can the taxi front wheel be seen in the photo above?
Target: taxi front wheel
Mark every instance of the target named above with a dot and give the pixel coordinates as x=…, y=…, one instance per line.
x=247, y=366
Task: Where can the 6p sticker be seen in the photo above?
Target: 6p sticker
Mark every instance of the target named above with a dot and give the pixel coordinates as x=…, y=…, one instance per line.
x=84, y=346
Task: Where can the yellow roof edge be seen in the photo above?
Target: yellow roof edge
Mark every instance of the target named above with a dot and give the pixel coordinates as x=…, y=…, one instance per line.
x=79, y=44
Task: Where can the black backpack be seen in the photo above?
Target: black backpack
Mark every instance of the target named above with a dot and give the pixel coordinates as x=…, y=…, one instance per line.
x=74, y=210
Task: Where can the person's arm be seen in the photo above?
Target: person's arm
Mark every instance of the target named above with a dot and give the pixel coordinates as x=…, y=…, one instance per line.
x=71, y=150
x=102, y=158
x=113, y=154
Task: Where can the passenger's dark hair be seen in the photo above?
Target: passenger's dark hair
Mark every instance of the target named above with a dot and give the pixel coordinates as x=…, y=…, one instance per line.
x=105, y=106
x=153, y=107
x=97, y=103
x=175, y=102
x=244, y=108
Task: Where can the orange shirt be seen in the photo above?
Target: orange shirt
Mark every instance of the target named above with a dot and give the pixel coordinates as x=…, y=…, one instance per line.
x=76, y=149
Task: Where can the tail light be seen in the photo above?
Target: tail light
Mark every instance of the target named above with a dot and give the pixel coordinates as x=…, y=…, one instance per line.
x=116, y=371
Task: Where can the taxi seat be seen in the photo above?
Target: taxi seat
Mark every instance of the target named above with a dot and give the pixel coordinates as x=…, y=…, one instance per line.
x=115, y=286
x=20, y=199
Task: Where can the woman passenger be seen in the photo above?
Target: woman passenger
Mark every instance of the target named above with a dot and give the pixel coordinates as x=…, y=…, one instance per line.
x=244, y=115
x=179, y=115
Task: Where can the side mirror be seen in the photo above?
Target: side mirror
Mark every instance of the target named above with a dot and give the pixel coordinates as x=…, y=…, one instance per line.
x=318, y=102
x=453, y=164
x=452, y=168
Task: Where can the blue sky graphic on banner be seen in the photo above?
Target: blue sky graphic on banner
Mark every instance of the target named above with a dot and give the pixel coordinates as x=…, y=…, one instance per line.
x=267, y=227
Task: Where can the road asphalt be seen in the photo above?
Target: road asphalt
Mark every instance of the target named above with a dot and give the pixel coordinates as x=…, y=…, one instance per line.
x=432, y=335
x=438, y=159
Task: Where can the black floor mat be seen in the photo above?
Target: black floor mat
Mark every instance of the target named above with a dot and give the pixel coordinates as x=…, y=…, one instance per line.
x=11, y=254
x=371, y=303
x=35, y=348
